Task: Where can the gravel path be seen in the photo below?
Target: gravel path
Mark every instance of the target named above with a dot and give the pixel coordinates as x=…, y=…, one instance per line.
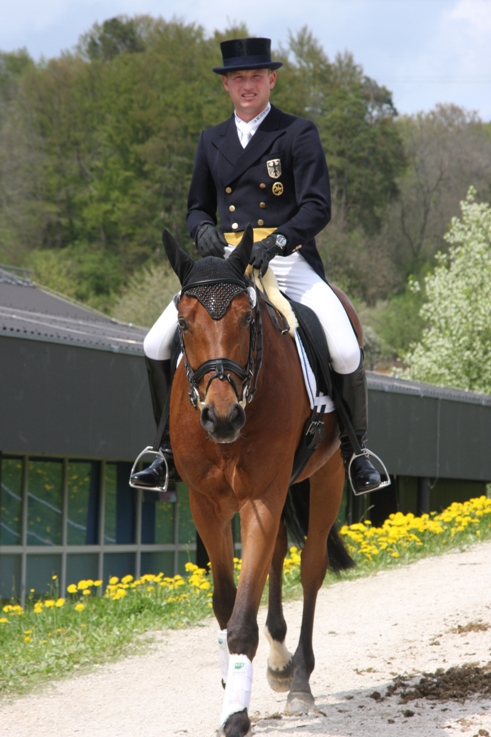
x=368, y=631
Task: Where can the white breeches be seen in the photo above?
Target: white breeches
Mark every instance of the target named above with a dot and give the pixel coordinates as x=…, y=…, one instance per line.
x=298, y=280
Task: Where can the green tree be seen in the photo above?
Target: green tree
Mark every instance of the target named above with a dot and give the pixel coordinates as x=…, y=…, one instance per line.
x=447, y=150
x=356, y=121
x=455, y=349
x=146, y=295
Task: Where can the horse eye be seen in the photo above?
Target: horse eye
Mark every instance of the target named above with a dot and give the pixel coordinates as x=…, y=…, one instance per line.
x=182, y=323
x=247, y=318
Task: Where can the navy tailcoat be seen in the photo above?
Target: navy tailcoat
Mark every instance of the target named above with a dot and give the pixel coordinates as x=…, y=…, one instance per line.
x=279, y=180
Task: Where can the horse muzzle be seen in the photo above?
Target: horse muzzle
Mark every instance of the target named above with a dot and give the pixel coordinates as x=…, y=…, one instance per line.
x=223, y=429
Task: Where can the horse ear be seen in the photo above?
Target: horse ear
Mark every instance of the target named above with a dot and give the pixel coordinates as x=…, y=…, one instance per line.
x=240, y=256
x=181, y=262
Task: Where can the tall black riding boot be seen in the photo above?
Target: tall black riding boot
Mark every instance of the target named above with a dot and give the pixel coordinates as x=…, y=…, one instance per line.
x=160, y=380
x=352, y=390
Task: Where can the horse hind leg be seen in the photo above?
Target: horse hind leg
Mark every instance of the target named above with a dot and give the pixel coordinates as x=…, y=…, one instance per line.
x=279, y=670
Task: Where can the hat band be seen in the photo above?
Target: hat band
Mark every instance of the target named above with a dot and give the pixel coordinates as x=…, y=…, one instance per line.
x=244, y=60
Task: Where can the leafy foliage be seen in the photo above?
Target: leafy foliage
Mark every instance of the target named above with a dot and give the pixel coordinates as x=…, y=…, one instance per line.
x=97, y=150
x=97, y=147
x=455, y=349
x=356, y=122
x=147, y=294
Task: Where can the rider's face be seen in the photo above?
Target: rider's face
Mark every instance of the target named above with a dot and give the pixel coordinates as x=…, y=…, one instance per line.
x=249, y=90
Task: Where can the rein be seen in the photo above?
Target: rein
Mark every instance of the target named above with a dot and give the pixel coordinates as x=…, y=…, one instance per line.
x=222, y=366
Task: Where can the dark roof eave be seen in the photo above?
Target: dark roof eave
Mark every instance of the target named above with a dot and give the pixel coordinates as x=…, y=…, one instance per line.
x=137, y=350
x=392, y=384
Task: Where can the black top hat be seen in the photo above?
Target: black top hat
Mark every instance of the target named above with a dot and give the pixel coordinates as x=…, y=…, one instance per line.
x=246, y=53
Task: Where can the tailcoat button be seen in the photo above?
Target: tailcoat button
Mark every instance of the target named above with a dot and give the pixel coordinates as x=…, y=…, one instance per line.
x=262, y=185
x=232, y=208
x=228, y=190
x=259, y=222
x=262, y=205
x=235, y=226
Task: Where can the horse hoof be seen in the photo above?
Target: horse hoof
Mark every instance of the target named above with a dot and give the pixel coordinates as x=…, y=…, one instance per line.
x=280, y=680
x=299, y=702
x=237, y=725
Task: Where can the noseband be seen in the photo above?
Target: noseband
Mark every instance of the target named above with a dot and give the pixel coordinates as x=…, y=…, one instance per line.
x=216, y=297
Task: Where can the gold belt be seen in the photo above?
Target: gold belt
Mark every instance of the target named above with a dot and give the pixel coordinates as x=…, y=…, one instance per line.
x=233, y=239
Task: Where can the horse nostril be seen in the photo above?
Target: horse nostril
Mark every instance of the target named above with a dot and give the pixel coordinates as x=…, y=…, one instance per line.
x=208, y=418
x=237, y=417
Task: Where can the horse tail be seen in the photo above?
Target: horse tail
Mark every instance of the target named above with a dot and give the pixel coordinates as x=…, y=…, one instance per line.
x=295, y=517
x=338, y=556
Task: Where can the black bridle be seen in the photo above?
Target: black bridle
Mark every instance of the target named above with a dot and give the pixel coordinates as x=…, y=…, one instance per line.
x=221, y=367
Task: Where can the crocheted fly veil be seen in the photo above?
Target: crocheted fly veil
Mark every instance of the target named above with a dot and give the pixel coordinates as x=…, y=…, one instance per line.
x=214, y=282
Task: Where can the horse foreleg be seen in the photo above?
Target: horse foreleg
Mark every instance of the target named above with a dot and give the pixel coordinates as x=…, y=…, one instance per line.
x=216, y=534
x=280, y=665
x=326, y=489
x=259, y=527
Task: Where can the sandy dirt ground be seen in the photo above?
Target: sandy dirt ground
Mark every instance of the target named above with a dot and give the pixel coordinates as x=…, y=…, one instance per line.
x=433, y=614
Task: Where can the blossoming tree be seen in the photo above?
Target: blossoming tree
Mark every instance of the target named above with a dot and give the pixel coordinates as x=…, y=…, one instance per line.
x=455, y=349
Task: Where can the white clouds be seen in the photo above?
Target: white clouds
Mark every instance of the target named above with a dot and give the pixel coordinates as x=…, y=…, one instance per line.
x=470, y=26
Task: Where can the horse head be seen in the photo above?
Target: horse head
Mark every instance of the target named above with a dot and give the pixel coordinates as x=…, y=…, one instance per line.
x=217, y=329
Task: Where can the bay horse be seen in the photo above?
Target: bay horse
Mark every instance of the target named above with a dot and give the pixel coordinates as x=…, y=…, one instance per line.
x=234, y=445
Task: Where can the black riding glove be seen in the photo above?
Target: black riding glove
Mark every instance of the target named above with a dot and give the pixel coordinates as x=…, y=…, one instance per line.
x=262, y=253
x=209, y=241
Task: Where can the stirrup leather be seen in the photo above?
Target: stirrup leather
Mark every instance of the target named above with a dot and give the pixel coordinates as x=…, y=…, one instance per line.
x=149, y=450
x=367, y=453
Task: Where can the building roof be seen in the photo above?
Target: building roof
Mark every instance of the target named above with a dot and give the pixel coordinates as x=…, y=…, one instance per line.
x=32, y=312
x=385, y=383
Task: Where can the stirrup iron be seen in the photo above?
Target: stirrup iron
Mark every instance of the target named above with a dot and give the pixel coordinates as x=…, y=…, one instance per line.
x=149, y=450
x=367, y=453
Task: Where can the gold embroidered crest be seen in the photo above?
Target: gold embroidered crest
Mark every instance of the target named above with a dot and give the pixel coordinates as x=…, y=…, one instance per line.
x=274, y=168
x=278, y=188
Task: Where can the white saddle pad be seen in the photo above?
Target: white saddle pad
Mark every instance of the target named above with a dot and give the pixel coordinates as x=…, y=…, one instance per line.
x=310, y=382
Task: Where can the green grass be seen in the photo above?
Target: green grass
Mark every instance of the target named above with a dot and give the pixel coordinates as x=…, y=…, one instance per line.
x=55, y=637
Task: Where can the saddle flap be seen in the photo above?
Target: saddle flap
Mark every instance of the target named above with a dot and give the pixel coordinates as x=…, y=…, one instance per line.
x=315, y=345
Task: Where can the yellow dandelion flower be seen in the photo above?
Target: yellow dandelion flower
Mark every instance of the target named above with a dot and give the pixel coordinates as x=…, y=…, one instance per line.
x=49, y=603
x=113, y=580
x=127, y=579
x=3, y=620
x=79, y=607
x=98, y=583
x=60, y=602
x=27, y=639
x=72, y=589
x=86, y=592
x=82, y=585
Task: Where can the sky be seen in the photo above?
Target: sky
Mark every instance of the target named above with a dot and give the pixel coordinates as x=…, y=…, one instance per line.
x=425, y=51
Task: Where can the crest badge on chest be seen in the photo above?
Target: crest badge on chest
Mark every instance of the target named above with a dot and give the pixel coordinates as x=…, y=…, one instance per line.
x=274, y=168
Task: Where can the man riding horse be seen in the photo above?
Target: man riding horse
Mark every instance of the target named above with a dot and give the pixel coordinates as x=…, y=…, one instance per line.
x=268, y=168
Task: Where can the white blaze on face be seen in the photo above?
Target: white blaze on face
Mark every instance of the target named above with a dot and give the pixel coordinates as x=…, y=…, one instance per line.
x=279, y=657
